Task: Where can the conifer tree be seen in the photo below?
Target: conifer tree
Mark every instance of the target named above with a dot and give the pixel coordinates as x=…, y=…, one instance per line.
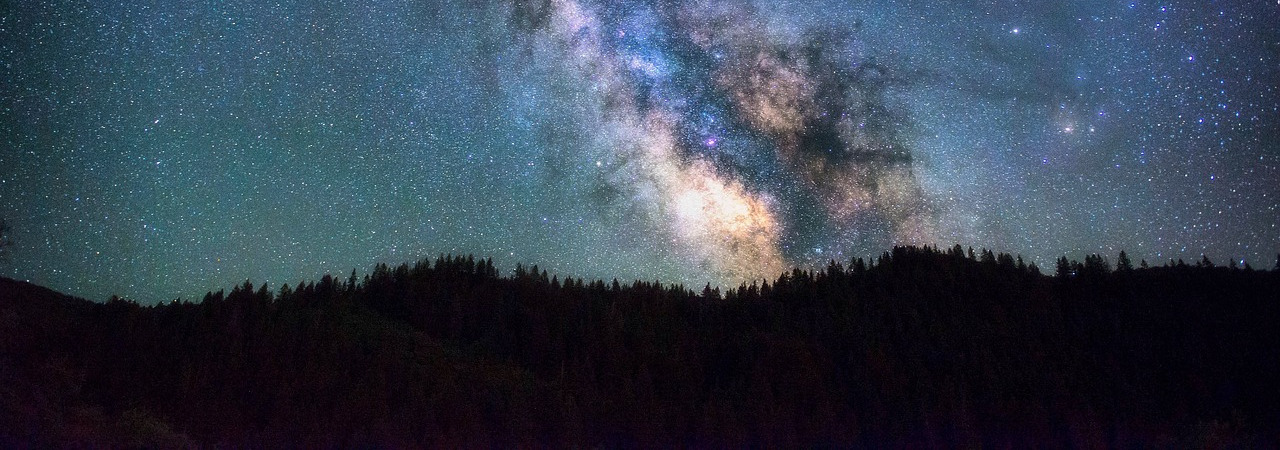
x=1122, y=262
x=1064, y=267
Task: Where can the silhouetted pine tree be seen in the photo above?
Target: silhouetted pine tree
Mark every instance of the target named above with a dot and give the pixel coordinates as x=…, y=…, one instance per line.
x=925, y=347
x=1122, y=263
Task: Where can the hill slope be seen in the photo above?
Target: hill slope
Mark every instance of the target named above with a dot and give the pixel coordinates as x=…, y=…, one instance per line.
x=921, y=346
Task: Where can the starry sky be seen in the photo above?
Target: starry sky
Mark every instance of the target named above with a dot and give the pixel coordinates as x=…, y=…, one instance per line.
x=162, y=149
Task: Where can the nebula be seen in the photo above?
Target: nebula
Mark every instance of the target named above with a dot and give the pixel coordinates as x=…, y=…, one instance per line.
x=730, y=139
x=162, y=150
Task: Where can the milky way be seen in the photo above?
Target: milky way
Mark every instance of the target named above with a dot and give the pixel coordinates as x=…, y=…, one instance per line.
x=157, y=151
x=734, y=141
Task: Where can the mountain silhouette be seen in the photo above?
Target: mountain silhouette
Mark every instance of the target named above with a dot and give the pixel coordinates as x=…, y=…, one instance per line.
x=920, y=347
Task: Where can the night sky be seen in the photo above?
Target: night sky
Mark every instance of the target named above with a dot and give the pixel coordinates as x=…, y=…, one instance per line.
x=162, y=149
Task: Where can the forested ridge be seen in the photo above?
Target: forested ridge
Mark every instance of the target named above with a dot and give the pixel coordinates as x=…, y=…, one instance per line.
x=918, y=346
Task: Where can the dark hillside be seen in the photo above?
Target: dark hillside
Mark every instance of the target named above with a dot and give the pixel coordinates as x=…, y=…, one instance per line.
x=920, y=347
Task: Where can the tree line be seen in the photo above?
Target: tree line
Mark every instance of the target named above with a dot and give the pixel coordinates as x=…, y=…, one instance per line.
x=918, y=346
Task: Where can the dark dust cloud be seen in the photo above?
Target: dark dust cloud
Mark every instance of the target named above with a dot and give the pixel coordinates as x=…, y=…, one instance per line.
x=161, y=150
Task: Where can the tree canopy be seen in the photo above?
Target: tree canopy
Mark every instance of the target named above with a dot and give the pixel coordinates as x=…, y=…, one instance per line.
x=914, y=347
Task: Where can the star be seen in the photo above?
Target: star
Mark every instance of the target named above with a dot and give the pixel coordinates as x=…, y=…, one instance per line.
x=693, y=142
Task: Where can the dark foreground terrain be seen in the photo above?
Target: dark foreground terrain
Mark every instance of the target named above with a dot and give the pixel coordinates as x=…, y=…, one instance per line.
x=919, y=347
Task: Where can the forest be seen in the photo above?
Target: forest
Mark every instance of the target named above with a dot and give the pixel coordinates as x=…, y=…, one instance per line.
x=919, y=346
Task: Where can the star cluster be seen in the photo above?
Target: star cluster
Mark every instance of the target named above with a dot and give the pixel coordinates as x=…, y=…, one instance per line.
x=161, y=150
